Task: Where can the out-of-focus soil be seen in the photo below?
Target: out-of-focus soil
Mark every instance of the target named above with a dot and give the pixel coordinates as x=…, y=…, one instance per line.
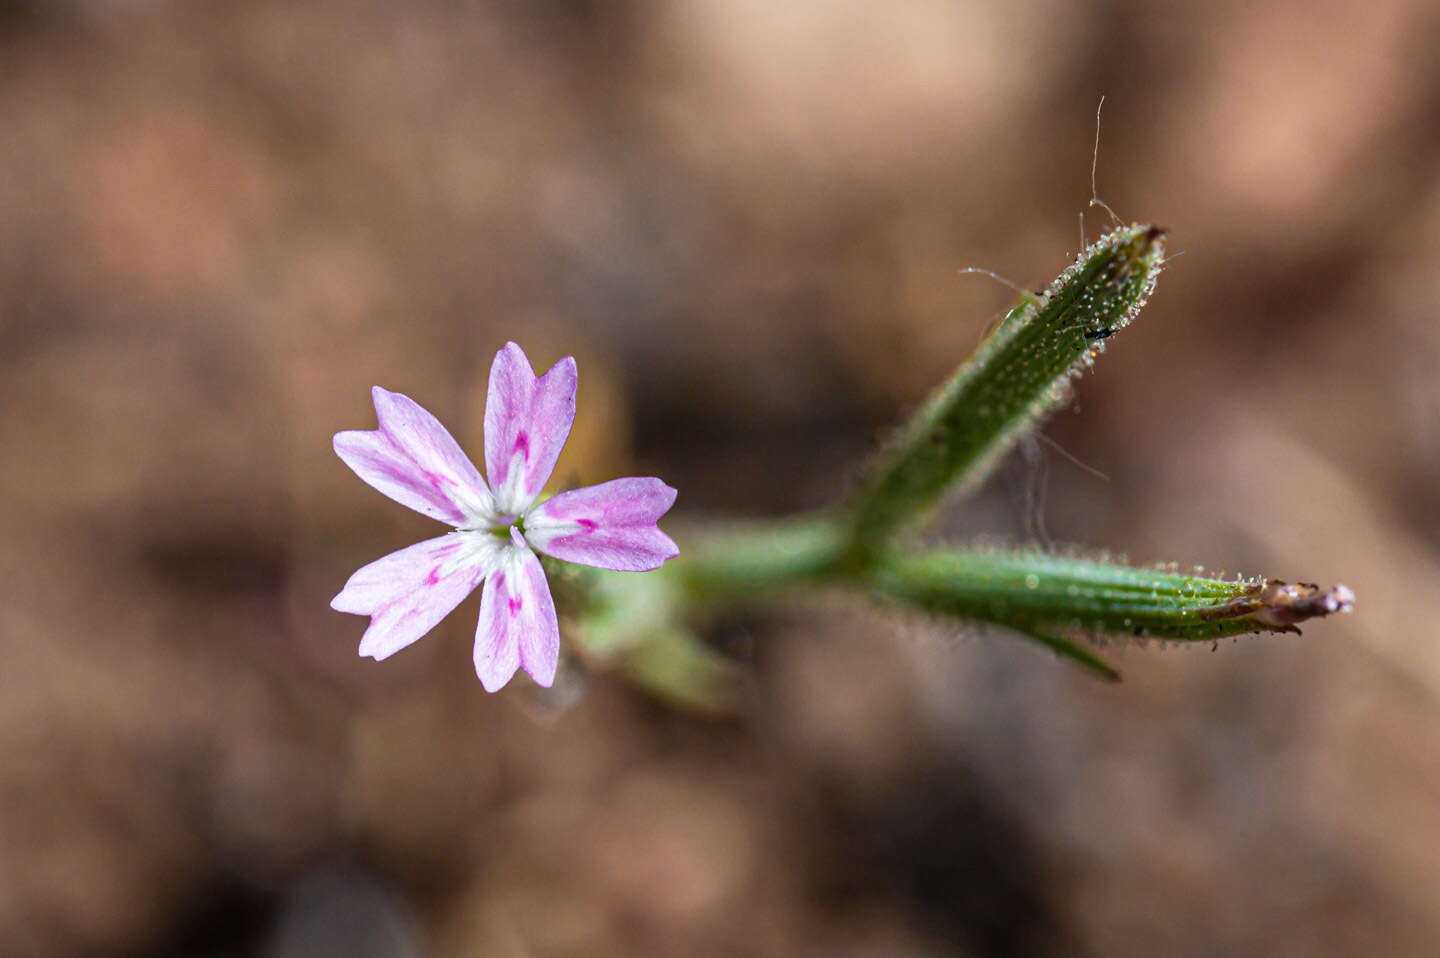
x=220, y=224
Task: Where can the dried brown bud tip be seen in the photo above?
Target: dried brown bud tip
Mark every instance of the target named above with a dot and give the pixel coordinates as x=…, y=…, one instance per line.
x=1283, y=605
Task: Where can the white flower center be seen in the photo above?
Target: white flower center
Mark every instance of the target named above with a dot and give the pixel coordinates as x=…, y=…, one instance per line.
x=484, y=549
x=478, y=506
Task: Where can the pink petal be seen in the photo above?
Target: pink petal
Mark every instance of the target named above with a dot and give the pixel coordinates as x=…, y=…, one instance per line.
x=527, y=421
x=413, y=459
x=407, y=593
x=611, y=525
x=517, y=626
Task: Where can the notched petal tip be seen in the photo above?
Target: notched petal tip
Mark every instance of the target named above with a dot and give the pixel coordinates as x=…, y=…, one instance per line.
x=527, y=420
x=565, y=368
x=494, y=675
x=412, y=458
x=388, y=403
x=515, y=357
x=510, y=360
x=543, y=673
x=371, y=648
x=408, y=592
x=664, y=495
x=663, y=549
x=349, y=442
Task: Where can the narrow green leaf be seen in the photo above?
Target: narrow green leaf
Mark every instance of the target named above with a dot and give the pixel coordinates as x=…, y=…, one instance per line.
x=1059, y=600
x=1078, y=654
x=1018, y=374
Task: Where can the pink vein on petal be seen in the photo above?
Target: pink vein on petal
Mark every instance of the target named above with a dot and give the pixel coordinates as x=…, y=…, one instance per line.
x=610, y=525
x=518, y=626
x=385, y=467
x=527, y=421
x=408, y=592
x=414, y=460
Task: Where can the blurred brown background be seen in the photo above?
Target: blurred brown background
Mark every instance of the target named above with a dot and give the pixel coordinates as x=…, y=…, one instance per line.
x=222, y=223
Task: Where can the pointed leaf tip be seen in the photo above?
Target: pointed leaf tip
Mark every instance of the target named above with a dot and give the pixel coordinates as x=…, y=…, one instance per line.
x=1014, y=379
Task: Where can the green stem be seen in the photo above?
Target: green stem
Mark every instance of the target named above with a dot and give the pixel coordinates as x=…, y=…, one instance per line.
x=737, y=559
x=1058, y=601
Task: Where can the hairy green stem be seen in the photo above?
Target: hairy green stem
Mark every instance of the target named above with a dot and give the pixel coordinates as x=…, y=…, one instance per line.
x=739, y=559
x=1018, y=374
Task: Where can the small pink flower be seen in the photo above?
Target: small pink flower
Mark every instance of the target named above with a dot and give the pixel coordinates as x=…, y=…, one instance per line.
x=498, y=527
